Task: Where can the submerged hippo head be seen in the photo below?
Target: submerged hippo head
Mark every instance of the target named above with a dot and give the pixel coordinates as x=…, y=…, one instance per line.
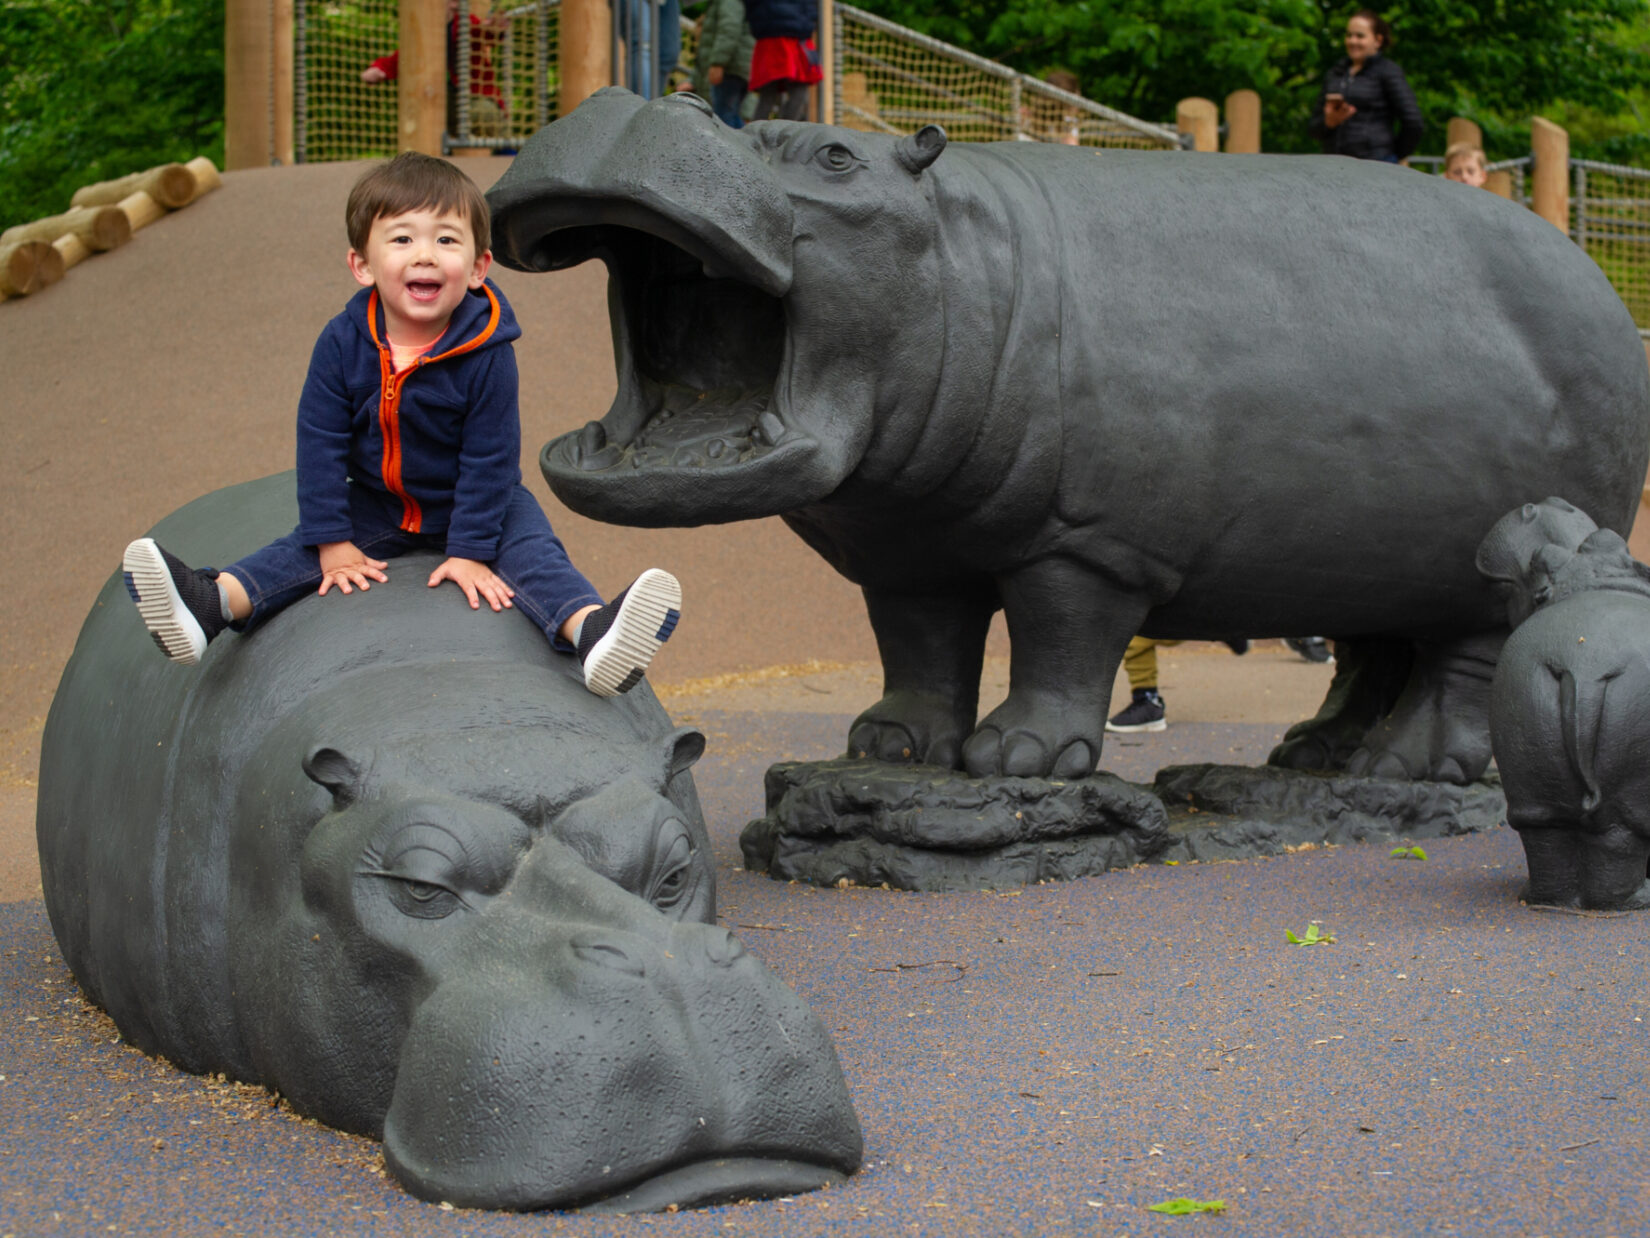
x=740, y=323
x=391, y=859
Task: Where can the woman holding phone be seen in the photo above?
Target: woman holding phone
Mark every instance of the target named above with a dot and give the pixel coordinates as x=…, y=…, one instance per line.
x=1365, y=96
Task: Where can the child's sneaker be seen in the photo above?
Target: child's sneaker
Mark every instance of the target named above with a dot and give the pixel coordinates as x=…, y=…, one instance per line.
x=180, y=606
x=1144, y=713
x=619, y=640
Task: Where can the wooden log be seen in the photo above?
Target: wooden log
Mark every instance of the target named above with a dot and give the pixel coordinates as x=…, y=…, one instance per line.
x=1500, y=183
x=421, y=84
x=28, y=266
x=206, y=175
x=171, y=184
x=74, y=250
x=141, y=209
x=585, y=49
x=1460, y=129
x=97, y=227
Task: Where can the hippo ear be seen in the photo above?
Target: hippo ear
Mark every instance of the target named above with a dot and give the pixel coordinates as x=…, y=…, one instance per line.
x=336, y=772
x=915, y=151
x=684, y=746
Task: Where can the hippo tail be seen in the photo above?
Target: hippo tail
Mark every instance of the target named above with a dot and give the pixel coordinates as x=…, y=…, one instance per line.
x=1581, y=716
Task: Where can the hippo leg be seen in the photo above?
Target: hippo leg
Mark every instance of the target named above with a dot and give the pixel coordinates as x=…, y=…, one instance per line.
x=1613, y=865
x=1553, y=860
x=1369, y=676
x=1068, y=628
x=932, y=647
x=1439, y=731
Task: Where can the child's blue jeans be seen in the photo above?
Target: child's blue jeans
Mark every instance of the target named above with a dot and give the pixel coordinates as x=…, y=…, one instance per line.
x=530, y=560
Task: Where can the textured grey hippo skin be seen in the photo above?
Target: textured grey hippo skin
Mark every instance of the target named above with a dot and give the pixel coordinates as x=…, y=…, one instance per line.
x=387, y=856
x=1106, y=392
x=1570, y=705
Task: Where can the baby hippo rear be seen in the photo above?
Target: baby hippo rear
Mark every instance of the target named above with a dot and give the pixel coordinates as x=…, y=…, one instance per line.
x=1570, y=705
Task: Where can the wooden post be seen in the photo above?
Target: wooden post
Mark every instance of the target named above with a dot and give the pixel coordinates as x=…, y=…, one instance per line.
x=585, y=48
x=248, y=61
x=205, y=174
x=1550, y=175
x=72, y=249
x=1243, y=123
x=141, y=210
x=1463, y=130
x=1500, y=183
x=1199, y=118
x=422, y=81
x=280, y=83
x=827, y=60
x=28, y=266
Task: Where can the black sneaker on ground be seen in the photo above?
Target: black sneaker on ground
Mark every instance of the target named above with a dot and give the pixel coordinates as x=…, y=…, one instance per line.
x=1144, y=713
x=1312, y=648
x=1239, y=647
x=179, y=604
x=619, y=640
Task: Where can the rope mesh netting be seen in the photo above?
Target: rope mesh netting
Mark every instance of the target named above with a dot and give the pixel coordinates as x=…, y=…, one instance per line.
x=894, y=80
x=512, y=80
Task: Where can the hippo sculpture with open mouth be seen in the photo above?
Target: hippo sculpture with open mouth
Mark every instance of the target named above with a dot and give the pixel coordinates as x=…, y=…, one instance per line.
x=1105, y=392
x=387, y=856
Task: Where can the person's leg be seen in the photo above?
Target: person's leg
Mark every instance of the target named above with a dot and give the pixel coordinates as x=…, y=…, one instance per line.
x=1145, y=712
x=769, y=99
x=725, y=99
x=795, y=106
x=614, y=642
x=669, y=42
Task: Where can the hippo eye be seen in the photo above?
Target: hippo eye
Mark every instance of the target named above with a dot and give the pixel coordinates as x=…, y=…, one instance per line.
x=674, y=881
x=837, y=158
x=422, y=899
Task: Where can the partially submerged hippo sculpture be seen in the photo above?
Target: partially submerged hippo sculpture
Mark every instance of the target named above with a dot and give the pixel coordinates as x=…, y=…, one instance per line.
x=1106, y=392
x=388, y=857
x=1570, y=705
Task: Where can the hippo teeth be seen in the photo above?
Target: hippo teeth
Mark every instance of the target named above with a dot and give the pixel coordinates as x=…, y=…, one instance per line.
x=688, y=430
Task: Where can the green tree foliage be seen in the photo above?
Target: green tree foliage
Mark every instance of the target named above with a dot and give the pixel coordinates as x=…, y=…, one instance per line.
x=1495, y=61
x=94, y=89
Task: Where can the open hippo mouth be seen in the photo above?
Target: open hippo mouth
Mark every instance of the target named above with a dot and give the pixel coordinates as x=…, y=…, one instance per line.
x=697, y=235
x=699, y=359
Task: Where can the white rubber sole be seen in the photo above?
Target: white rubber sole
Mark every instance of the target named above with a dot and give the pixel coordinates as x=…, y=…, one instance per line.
x=149, y=581
x=1162, y=724
x=646, y=618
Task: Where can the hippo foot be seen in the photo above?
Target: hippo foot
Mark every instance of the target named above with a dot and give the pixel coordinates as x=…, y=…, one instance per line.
x=1023, y=741
x=909, y=728
x=1313, y=747
x=1430, y=746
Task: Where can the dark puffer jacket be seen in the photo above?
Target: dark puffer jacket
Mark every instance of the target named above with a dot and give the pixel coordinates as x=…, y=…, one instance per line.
x=1382, y=96
x=782, y=19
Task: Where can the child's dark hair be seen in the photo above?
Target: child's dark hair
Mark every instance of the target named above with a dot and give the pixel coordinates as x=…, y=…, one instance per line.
x=1378, y=25
x=414, y=182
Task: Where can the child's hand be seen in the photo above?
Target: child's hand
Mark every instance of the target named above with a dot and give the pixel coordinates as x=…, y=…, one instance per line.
x=345, y=564
x=477, y=580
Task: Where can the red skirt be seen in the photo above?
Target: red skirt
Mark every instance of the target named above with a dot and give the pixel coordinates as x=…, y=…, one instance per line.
x=784, y=60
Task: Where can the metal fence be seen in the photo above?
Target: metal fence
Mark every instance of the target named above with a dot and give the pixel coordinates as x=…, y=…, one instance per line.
x=893, y=79
x=1610, y=219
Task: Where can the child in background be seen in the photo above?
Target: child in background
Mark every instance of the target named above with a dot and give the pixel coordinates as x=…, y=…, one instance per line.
x=783, y=63
x=1464, y=163
x=409, y=438
x=722, y=63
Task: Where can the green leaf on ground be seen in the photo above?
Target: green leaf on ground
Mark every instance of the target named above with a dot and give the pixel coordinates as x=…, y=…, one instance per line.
x=1408, y=853
x=1185, y=1207
x=1315, y=936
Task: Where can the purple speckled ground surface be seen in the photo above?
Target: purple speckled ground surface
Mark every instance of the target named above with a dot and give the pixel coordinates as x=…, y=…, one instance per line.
x=1047, y=1061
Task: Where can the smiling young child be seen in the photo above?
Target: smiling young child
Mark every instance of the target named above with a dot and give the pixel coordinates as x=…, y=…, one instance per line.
x=409, y=438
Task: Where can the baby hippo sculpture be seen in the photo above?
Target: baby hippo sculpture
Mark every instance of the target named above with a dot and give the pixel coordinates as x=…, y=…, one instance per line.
x=1570, y=705
x=1105, y=392
x=387, y=856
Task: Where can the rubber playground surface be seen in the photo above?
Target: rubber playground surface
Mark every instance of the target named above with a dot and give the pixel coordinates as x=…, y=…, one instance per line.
x=1051, y=1060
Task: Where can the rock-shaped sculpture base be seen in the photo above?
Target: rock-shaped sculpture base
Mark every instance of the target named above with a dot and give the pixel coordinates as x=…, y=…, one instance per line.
x=920, y=827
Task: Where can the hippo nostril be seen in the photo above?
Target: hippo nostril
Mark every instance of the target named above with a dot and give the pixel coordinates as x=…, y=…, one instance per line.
x=724, y=949
x=607, y=954
x=692, y=100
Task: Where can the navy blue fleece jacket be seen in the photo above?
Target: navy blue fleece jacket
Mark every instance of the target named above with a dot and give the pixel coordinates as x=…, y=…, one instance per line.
x=442, y=437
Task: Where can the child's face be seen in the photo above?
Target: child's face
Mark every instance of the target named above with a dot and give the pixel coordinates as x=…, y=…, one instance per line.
x=422, y=263
x=1467, y=172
